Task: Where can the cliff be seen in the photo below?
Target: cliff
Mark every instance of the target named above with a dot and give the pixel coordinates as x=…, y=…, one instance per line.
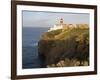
x=68, y=47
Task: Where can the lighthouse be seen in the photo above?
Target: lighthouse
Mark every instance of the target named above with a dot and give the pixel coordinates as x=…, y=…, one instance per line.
x=60, y=25
x=61, y=21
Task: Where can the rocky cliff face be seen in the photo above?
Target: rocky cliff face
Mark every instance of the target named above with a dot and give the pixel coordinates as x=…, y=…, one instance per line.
x=65, y=47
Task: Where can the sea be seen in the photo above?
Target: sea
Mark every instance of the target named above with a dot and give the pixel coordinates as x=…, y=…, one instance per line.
x=30, y=38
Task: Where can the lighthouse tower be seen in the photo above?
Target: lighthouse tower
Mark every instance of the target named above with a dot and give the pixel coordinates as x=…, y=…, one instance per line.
x=58, y=26
x=61, y=21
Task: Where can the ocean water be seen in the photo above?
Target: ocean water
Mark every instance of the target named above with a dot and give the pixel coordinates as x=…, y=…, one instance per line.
x=30, y=38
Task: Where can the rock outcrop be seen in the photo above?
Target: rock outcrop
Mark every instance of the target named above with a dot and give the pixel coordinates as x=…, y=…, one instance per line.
x=65, y=46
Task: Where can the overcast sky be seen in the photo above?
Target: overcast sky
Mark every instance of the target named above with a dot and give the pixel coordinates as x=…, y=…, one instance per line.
x=48, y=19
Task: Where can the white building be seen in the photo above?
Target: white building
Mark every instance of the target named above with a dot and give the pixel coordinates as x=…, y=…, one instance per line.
x=61, y=25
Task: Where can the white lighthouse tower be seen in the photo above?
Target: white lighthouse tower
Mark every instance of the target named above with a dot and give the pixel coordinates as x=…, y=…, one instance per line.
x=58, y=26
x=61, y=21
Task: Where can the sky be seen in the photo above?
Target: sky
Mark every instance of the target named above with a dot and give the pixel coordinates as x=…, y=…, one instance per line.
x=48, y=19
